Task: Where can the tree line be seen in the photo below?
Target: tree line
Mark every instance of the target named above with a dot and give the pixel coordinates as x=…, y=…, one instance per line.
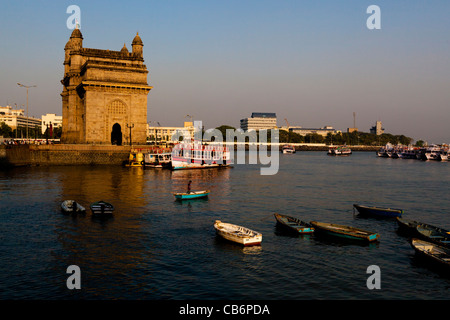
x=33, y=132
x=353, y=138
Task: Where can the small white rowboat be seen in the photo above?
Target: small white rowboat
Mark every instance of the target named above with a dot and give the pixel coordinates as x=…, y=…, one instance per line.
x=71, y=206
x=237, y=234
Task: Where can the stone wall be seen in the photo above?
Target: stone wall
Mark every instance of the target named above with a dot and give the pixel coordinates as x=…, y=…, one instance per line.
x=42, y=155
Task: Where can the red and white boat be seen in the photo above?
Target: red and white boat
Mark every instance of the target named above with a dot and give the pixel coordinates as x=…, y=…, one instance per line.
x=199, y=156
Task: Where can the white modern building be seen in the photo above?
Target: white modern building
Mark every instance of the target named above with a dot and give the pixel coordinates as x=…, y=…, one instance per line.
x=51, y=118
x=320, y=131
x=166, y=134
x=259, y=121
x=15, y=118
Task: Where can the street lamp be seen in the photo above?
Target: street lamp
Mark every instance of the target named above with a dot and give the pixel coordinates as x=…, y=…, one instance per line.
x=24, y=86
x=130, y=126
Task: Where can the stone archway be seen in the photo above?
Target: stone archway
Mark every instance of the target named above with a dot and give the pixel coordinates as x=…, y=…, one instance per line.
x=116, y=134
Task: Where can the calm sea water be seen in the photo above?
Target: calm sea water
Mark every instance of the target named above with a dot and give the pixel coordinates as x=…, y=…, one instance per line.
x=158, y=248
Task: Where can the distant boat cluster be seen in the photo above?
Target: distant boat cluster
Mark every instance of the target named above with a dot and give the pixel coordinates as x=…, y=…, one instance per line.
x=433, y=152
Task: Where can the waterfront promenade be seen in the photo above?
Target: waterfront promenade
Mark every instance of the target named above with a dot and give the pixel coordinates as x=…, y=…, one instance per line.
x=66, y=154
x=87, y=154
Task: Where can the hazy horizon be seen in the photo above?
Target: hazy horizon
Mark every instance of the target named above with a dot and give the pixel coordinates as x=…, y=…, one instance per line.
x=312, y=63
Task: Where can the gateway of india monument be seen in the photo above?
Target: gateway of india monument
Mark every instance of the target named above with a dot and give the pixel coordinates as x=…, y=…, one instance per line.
x=104, y=94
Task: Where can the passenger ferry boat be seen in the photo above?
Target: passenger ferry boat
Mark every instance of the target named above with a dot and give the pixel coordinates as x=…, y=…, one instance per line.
x=158, y=160
x=339, y=151
x=198, y=156
x=432, y=153
x=409, y=153
x=385, y=151
x=443, y=155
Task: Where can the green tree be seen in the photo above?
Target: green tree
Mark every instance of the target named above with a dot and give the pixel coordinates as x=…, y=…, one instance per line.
x=314, y=138
x=223, y=128
x=5, y=130
x=420, y=143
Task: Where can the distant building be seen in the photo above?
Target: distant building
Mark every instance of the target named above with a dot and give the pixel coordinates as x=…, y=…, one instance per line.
x=350, y=130
x=51, y=118
x=259, y=121
x=16, y=119
x=320, y=131
x=165, y=134
x=377, y=129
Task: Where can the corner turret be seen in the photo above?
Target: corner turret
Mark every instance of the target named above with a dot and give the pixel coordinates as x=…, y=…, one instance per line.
x=137, y=46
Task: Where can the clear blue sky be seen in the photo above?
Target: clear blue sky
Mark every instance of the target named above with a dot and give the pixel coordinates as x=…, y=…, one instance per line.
x=312, y=62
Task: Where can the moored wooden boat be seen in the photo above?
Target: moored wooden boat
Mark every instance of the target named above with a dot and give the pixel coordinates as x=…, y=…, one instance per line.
x=437, y=254
x=191, y=195
x=408, y=226
x=434, y=234
x=293, y=224
x=345, y=231
x=71, y=206
x=102, y=208
x=237, y=234
x=378, y=212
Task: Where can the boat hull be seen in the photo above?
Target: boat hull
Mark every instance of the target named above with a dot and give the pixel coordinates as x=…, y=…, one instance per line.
x=436, y=254
x=192, y=195
x=102, y=208
x=71, y=206
x=238, y=234
x=378, y=212
x=288, y=149
x=345, y=232
x=408, y=227
x=158, y=160
x=339, y=151
x=184, y=164
x=434, y=234
x=293, y=224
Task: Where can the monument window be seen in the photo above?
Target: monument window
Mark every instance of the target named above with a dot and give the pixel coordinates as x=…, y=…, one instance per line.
x=117, y=107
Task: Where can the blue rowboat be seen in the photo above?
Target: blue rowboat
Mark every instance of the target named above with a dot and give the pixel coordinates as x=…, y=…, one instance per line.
x=410, y=227
x=191, y=195
x=378, y=212
x=434, y=234
x=344, y=231
x=293, y=224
